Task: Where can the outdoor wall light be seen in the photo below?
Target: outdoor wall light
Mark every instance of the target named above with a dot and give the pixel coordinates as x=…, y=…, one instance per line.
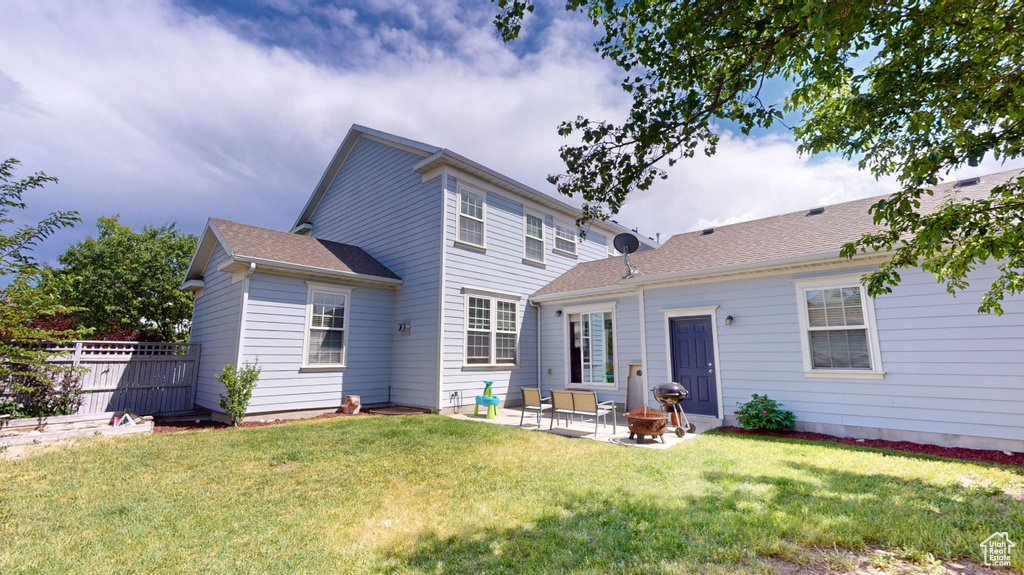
x=558, y=313
x=728, y=320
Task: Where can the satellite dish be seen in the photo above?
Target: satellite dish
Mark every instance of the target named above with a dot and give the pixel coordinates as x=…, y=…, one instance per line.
x=626, y=243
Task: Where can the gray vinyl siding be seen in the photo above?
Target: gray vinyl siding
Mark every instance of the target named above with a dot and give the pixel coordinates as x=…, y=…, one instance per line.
x=380, y=204
x=499, y=268
x=215, y=319
x=275, y=331
x=947, y=368
x=627, y=348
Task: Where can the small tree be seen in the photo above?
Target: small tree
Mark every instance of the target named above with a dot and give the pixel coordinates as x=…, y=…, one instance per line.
x=239, y=384
x=125, y=283
x=26, y=308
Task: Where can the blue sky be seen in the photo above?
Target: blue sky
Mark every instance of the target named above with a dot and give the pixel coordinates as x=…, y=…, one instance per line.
x=167, y=111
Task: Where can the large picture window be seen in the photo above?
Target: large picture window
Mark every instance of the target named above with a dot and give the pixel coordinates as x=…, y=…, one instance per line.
x=492, y=330
x=837, y=327
x=471, y=217
x=326, y=326
x=591, y=349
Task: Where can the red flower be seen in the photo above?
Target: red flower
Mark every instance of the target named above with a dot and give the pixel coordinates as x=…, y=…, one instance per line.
x=735, y=412
x=765, y=412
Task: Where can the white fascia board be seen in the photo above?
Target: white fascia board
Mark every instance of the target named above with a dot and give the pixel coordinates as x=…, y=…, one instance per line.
x=204, y=250
x=286, y=268
x=192, y=285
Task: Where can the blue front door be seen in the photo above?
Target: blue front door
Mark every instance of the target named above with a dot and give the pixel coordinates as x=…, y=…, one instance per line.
x=693, y=363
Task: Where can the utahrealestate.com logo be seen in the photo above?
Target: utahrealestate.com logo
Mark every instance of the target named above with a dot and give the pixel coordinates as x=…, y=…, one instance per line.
x=997, y=549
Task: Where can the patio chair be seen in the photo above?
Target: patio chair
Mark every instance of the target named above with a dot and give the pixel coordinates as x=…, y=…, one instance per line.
x=585, y=403
x=561, y=404
x=534, y=402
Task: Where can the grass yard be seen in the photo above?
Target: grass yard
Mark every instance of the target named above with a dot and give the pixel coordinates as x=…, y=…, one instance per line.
x=428, y=494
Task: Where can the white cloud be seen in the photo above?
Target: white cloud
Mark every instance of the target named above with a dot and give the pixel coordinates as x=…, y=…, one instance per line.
x=161, y=115
x=747, y=178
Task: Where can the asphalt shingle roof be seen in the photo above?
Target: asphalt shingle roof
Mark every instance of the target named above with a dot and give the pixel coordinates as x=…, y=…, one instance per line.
x=774, y=238
x=262, y=243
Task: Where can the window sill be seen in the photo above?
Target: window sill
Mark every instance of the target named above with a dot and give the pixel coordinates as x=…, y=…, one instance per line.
x=534, y=262
x=593, y=386
x=565, y=253
x=315, y=368
x=475, y=247
x=489, y=366
x=846, y=374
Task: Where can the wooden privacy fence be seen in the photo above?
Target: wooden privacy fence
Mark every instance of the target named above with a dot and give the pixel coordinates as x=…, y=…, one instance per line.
x=145, y=378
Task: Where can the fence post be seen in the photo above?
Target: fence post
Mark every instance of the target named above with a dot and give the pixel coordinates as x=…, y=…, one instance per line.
x=76, y=357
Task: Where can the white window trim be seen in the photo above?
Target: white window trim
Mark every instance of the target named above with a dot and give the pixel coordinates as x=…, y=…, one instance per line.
x=689, y=312
x=494, y=297
x=459, y=215
x=543, y=236
x=575, y=238
x=868, y=306
x=347, y=292
x=567, y=334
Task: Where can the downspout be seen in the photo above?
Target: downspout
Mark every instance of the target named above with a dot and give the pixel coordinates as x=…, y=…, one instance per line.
x=540, y=347
x=240, y=348
x=440, y=307
x=643, y=345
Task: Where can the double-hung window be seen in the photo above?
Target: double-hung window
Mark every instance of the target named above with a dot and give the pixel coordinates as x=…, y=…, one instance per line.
x=492, y=330
x=326, y=326
x=837, y=324
x=533, y=242
x=565, y=238
x=471, y=217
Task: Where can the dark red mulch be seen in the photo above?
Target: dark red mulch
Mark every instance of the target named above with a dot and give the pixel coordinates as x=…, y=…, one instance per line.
x=190, y=425
x=951, y=452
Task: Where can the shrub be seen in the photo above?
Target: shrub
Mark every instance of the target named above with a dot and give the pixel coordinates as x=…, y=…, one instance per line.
x=763, y=413
x=41, y=392
x=239, y=384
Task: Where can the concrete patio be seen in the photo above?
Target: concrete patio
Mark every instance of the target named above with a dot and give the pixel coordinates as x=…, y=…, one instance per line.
x=585, y=428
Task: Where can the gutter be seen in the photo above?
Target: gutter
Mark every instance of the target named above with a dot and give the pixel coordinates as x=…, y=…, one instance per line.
x=272, y=265
x=239, y=347
x=540, y=346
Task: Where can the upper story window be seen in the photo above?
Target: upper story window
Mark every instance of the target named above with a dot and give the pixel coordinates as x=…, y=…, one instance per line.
x=565, y=238
x=326, y=336
x=837, y=325
x=471, y=217
x=492, y=330
x=533, y=242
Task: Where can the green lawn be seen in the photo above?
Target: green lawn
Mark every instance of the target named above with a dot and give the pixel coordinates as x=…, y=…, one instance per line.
x=428, y=494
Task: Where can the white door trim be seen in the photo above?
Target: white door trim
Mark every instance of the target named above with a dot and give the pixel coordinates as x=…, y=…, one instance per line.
x=681, y=313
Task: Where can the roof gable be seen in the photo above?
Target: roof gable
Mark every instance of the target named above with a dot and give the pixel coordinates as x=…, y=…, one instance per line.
x=277, y=249
x=354, y=134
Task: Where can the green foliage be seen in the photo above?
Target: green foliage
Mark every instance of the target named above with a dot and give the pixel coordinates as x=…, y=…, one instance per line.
x=125, y=283
x=763, y=413
x=42, y=392
x=239, y=384
x=909, y=88
x=496, y=500
x=24, y=305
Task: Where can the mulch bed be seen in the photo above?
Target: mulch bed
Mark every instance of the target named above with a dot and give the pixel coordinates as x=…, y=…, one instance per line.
x=951, y=452
x=175, y=426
